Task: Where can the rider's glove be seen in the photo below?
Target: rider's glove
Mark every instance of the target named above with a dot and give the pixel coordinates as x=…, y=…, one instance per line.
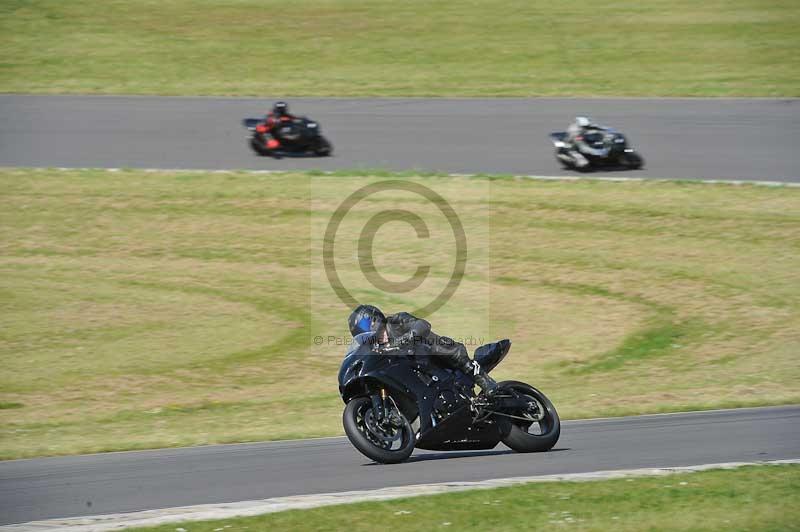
x=404, y=340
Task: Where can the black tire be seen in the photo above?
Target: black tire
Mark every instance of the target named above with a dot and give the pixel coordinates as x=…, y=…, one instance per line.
x=353, y=419
x=324, y=147
x=258, y=146
x=517, y=433
x=632, y=160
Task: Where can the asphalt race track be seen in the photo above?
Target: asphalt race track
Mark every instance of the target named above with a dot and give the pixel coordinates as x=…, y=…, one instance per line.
x=679, y=138
x=123, y=482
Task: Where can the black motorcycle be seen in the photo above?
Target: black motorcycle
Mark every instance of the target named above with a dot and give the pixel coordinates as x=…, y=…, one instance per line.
x=299, y=137
x=398, y=398
x=596, y=148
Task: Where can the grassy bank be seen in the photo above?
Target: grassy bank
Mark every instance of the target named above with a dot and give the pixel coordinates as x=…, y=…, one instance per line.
x=145, y=309
x=755, y=498
x=413, y=48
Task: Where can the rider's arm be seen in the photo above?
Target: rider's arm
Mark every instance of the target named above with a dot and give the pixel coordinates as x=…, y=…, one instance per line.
x=410, y=325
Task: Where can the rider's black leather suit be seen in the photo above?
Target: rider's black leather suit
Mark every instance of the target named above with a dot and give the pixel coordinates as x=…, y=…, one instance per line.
x=404, y=327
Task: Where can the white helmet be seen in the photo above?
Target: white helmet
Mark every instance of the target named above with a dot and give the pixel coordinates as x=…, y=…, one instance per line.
x=582, y=121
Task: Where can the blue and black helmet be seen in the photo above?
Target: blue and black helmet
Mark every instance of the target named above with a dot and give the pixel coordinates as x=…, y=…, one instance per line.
x=365, y=318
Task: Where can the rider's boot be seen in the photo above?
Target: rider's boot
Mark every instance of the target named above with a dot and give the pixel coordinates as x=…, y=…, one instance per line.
x=456, y=354
x=486, y=383
x=480, y=377
x=580, y=162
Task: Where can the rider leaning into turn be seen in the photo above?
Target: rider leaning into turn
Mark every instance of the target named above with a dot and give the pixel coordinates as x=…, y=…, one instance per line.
x=404, y=329
x=575, y=133
x=279, y=115
x=577, y=128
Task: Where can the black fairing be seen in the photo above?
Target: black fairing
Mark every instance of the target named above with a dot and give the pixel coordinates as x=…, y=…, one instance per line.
x=299, y=133
x=618, y=144
x=418, y=386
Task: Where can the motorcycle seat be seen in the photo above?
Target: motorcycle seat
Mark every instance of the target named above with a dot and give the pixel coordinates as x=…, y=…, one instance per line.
x=490, y=355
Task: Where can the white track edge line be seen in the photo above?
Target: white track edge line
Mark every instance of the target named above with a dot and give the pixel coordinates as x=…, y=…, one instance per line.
x=609, y=179
x=110, y=522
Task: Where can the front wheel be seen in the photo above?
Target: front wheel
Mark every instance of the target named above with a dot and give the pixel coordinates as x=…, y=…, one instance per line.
x=533, y=429
x=380, y=440
x=257, y=143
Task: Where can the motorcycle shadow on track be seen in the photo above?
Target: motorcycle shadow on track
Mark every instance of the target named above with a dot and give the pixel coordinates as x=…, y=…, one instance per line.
x=276, y=154
x=566, y=170
x=428, y=457
x=448, y=456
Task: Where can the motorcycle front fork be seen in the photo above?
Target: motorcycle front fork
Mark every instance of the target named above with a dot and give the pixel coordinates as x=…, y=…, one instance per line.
x=381, y=404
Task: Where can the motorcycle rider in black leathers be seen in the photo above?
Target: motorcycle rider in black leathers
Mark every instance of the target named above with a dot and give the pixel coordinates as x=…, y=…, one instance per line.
x=279, y=114
x=277, y=118
x=405, y=329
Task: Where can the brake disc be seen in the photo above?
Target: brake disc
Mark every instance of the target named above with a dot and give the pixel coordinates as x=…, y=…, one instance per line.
x=376, y=430
x=536, y=408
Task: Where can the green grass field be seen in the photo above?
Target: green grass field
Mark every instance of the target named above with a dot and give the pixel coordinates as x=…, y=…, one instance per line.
x=410, y=48
x=765, y=498
x=145, y=309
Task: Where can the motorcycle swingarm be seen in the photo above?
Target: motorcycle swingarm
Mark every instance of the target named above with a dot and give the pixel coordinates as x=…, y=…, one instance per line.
x=510, y=402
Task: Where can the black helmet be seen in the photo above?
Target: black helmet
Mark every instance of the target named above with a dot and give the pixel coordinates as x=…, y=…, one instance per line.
x=365, y=318
x=280, y=108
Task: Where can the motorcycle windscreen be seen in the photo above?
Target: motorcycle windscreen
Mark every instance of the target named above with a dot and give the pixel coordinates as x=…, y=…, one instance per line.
x=558, y=138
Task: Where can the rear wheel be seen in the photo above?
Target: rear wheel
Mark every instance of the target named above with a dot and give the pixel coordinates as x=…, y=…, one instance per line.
x=533, y=429
x=324, y=148
x=382, y=441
